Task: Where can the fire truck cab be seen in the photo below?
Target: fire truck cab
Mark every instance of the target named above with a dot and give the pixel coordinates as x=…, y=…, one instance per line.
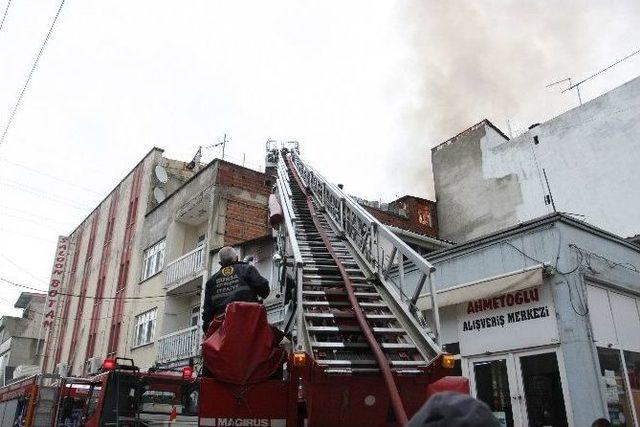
x=122, y=395
x=119, y=395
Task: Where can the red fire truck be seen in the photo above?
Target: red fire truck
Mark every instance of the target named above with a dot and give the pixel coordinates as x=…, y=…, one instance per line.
x=118, y=396
x=360, y=353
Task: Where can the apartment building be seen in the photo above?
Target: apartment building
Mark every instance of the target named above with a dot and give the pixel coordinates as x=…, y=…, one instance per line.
x=19, y=338
x=98, y=262
x=223, y=204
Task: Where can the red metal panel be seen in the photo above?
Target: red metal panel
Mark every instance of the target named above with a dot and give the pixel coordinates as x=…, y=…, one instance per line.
x=102, y=274
x=69, y=290
x=125, y=259
x=83, y=286
x=264, y=404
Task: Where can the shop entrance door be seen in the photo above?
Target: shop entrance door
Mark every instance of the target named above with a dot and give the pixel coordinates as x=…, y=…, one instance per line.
x=522, y=389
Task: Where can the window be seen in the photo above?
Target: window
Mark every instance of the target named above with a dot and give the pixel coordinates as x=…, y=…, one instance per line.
x=613, y=386
x=195, y=314
x=145, y=327
x=153, y=259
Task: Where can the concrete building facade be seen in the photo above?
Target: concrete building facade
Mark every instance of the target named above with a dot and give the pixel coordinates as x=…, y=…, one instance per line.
x=544, y=318
x=20, y=343
x=102, y=262
x=485, y=182
x=223, y=204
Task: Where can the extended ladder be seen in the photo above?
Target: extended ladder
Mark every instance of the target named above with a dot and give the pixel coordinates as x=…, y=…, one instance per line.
x=378, y=265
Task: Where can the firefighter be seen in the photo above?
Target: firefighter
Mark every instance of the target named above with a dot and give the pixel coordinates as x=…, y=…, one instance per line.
x=235, y=281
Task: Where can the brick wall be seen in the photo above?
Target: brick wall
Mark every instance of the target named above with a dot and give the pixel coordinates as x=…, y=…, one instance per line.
x=246, y=215
x=242, y=178
x=421, y=215
x=244, y=221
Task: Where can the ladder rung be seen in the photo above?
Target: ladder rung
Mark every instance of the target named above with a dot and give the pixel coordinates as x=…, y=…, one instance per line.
x=369, y=362
x=349, y=314
x=332, y=329
x=337, y=344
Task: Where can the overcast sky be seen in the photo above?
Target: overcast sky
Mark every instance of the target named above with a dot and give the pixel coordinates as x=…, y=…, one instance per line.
x=367, y=87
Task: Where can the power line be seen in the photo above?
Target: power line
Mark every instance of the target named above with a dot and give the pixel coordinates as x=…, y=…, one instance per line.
x=30, y=215
x=50, y=176
x=35, y=191
x=96, y=297
x=33, y=68
x=24, y=270
x=602, y=71
x=4, y=16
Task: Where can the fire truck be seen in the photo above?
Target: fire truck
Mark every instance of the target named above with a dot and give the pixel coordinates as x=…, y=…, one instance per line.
x=359, y=352
x=120, y=395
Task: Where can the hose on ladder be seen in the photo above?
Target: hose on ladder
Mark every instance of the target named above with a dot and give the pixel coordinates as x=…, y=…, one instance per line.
x=381, y=359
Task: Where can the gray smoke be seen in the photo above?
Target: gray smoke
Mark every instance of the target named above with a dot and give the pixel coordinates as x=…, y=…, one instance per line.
x=492, y=59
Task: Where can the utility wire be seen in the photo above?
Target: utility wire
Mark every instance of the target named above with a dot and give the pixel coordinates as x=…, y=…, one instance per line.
x=4, y=15
x=602, y=71
x=36, y=192
x=96, y=297
x=73, y=184
x=33, y=69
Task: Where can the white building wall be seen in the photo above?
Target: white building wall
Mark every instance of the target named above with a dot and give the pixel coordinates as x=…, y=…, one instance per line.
x=590, y=154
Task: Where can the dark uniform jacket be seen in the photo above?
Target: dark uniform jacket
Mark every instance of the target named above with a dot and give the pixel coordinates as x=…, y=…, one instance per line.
x=236, y=282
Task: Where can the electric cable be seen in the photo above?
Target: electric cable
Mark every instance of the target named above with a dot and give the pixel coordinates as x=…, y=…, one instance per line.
x=30, y=75
x=95, y=297
x=70, y=183
x=4, y=15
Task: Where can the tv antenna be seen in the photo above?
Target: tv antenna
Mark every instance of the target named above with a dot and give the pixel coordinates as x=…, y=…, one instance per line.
x=568, y=79
x=217, y=144
x=577, y=85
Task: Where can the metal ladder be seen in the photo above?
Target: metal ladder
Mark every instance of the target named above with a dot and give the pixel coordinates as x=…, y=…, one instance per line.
x=326, y=325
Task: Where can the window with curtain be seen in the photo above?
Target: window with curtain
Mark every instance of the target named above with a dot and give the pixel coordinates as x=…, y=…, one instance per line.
x=145, y=327
x=153, y=259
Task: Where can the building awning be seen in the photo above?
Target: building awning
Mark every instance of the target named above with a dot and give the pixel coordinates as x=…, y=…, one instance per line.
x=485, y=288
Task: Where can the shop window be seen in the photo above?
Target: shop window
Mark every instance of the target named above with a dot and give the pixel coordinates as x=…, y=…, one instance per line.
x=543, y=390
x=613, y=387
x=492, y=387
x=632, y=360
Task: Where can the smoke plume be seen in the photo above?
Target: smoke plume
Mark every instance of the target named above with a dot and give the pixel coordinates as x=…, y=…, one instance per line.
x=492, y=59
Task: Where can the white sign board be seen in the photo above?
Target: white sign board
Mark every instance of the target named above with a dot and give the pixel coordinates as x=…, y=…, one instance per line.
x=520, y=319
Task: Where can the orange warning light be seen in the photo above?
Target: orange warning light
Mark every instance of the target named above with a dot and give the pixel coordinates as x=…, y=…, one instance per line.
x=448, y=361
x=299, y=359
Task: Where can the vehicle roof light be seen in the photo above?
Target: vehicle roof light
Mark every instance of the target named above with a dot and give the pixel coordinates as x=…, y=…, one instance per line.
x=109, y=364
x=187, y=372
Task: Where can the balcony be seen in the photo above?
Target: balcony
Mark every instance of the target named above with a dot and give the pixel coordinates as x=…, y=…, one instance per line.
x=184, y=269
x=179, y=345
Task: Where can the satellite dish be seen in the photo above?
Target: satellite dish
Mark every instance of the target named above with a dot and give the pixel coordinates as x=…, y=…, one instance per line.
x=158, y=194
x=161, y=174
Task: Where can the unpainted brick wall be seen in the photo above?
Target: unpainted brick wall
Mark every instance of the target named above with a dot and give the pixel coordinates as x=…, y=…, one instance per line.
x=247, y=212
x=242, y=178
x=244, y=221
x=416, y=220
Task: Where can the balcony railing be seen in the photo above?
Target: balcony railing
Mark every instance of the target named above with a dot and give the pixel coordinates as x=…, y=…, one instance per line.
x=178, y=345
x=185, y=268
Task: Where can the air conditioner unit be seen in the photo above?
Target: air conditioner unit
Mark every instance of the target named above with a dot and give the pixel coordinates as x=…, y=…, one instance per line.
x=62, y=369
x=93, y=365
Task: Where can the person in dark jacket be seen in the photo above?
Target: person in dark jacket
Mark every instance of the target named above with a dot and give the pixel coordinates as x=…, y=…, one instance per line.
x=235, y=281
x=449, y=409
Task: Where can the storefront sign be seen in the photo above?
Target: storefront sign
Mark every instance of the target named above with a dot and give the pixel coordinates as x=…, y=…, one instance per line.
x=519, y=319
x=56, y=281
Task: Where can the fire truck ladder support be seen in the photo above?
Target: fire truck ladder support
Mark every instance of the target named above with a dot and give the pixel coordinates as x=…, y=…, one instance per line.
x=352, y=276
